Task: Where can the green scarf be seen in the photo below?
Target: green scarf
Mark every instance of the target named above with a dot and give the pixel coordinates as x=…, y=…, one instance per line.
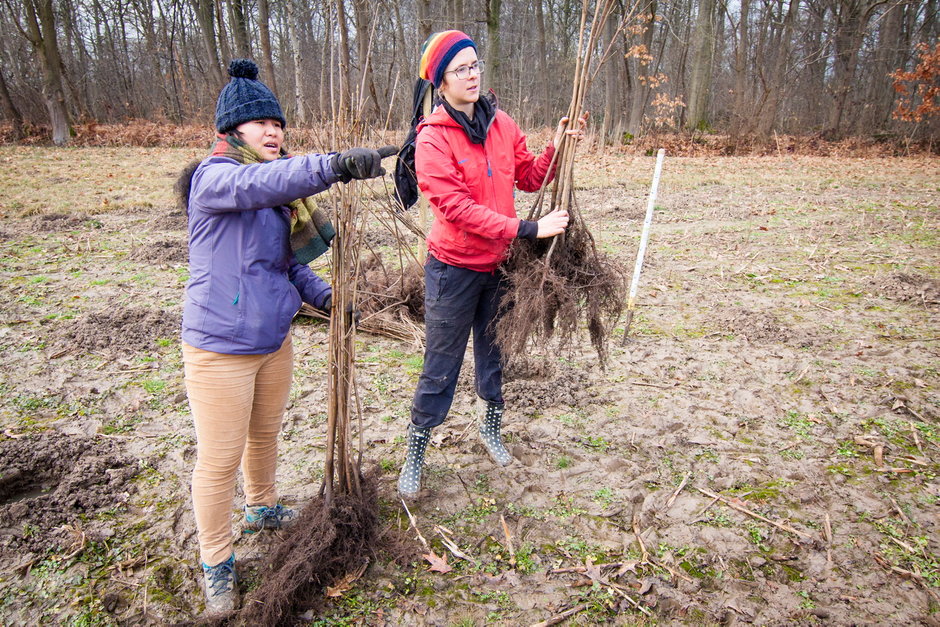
x=310, y=230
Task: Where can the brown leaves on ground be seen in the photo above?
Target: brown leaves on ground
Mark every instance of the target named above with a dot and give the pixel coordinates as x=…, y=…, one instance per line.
x=438, y=562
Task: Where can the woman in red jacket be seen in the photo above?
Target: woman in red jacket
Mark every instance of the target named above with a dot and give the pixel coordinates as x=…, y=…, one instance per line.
x=469, y=156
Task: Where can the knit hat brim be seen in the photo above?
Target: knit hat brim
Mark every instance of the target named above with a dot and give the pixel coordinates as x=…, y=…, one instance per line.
x=438, y=51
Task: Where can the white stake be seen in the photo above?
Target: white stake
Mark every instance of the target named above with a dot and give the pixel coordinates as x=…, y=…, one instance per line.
x=644, y=238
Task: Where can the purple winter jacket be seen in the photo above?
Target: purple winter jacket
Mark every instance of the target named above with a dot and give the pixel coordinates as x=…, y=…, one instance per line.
x=245, y=284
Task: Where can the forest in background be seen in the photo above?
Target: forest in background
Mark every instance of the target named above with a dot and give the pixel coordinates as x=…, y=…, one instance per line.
x=747, y=68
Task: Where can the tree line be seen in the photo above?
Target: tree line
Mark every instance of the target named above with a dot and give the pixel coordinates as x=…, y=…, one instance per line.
x=744, y=67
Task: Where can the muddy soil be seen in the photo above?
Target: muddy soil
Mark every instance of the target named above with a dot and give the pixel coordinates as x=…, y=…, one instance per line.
x=763, y=448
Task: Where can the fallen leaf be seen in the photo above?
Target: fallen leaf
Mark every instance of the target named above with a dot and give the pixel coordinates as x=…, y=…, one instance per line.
x=631, y=566
x=344, y=584
x=438, y=562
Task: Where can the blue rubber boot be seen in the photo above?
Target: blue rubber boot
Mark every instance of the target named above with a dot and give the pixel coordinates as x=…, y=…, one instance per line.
x=409, y=481
x=490, y=434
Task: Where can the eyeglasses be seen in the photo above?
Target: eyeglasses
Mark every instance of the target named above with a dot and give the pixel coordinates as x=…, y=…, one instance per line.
x=463, y=72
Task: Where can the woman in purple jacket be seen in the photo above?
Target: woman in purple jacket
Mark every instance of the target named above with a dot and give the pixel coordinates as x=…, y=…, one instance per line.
x=252, y=231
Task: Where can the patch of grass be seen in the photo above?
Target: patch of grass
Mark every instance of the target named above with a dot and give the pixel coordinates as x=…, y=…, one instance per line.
x=565, y=508
x=757, y=535
x=797, y=423
x=847, y=448
x=908, y=552
x=603, y=497
x=563, y=462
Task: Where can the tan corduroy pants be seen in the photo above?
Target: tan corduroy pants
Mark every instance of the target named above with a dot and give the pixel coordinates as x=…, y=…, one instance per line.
x=238, y=403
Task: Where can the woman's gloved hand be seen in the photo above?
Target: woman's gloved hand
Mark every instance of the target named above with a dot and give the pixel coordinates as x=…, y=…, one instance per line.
x=350, y=310
x=361, y=163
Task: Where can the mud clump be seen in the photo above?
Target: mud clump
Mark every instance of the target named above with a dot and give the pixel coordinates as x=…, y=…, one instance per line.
x=171, y=221
x=531, y=385
x=130, y=330
x=168, y=252
x=915, y=288
x=756, y=326
x=50, y=480
x=58, y=221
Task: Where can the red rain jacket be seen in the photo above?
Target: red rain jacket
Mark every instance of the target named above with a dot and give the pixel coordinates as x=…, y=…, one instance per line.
x=470, y=187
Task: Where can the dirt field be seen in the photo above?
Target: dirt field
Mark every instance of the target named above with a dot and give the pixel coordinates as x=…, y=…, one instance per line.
x=764, y=448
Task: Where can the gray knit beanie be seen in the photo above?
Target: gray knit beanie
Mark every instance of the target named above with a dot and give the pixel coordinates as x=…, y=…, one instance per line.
x=245, y=98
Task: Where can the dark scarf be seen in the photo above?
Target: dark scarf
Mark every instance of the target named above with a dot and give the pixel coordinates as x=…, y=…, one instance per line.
x=310, y=230
x=483, y=114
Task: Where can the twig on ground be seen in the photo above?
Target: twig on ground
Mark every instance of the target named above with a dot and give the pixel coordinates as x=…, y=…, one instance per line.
x=753, y=514
x=672, y=499
x=582, y=569
x=557, y=618
x=915, y=438
x=908, y=574
x=509, y=547
x=636, y=532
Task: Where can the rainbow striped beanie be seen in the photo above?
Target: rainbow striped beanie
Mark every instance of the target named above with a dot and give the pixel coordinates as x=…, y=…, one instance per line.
x=438, y=51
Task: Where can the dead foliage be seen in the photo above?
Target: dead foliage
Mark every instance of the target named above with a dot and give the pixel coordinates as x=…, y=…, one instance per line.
x=161, y=134
x=393, y=291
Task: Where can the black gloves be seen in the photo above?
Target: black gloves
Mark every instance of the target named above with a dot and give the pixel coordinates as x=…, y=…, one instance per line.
x=350, y=310
x=361, y=163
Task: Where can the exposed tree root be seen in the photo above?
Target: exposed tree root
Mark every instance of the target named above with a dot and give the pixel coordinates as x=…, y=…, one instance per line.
x=326, y=543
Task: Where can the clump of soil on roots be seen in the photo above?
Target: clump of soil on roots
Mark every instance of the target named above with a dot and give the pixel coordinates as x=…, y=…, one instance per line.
x=551, y=288
x=915, y=288
x=131, y=330
x=323, y=545
x=52, y=481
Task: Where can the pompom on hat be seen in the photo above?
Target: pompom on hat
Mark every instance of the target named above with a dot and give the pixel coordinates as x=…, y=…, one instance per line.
x=438, y=51
x=245, y=98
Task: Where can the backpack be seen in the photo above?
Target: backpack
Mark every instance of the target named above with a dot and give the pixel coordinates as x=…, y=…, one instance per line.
x=406, y=180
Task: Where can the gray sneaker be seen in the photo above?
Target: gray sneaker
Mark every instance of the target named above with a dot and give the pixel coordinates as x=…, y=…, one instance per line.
x=220, y=580
x=260, y=517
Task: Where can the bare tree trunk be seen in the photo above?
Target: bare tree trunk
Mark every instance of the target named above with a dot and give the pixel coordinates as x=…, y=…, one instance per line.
x=776, y=80
x=364, y=32
x=545, y=97
x=205, y=15
x=345, y=63
x=703, y=42
x=223, y=37
x=816, y=49
x=300, y=113
x=640, y=65
x=424, y=20
x=740, y=120
x=493, y=53
x=236, y=14
x=612, y=129
x=888, y=57
x=10, y=111
x=851, y=20
x=267, y=56
x=41, y=31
